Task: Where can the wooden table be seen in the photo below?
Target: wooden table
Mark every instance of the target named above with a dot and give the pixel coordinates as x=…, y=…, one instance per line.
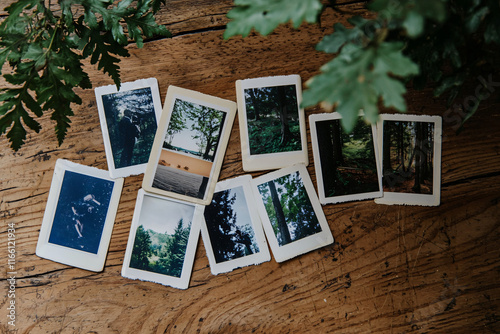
x=392, y=269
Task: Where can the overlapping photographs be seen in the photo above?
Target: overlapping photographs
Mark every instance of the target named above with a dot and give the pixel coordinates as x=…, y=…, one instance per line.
x=232, y=231
x=272, y=123
x=410, y=150
x=346, y=164
x=291, y=214
x=189, y=146
x=129, y=120
x=162, y=240
x=79, y=216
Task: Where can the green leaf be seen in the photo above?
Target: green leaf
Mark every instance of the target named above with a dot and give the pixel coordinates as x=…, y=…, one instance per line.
x=391, y=91
x=358, y=78
x=492, y=31
x=332, y=43
x=447, y=83
x=473, y=21
x=265, y=15
x=390, y=59
x=37, y=53
x=414, y=24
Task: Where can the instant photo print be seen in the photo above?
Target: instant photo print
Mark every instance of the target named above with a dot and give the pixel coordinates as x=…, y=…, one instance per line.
x=129, y=119
x=293, y=219
x=162, y=240
x=272, y=123
x=410, y=150
x=79, y=216
x=231, y=229
x=189, y=146
x=346, y=164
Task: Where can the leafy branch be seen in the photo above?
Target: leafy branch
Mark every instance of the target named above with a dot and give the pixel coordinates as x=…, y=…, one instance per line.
x=44, y=48
x=441, y=42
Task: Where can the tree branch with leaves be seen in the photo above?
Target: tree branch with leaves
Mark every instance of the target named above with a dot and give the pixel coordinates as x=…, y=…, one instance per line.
x=44, y=45
x=431, y=42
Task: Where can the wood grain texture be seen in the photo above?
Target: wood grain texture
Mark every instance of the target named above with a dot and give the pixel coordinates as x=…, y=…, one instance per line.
x=392, y=269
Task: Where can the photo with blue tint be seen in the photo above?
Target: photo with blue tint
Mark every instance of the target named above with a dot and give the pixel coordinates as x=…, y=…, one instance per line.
x=81, y=212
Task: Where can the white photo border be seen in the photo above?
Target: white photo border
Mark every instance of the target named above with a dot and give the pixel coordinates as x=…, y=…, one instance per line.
x=66, y=255
x=313, y=119
x=258, y=162
x=187, y=267
x=111, y=89
x=304, y=245
x=398, y=198
x=245, y=181
x=174, y=93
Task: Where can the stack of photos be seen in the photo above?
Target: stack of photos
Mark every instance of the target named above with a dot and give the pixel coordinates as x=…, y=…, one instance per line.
x=291, y=214
x=232, y=230
x=162, y=240
x=129, y=120
x=79, y=216
x=189, y=146
x=272, y=123
x=410, y=151
x=346, y=164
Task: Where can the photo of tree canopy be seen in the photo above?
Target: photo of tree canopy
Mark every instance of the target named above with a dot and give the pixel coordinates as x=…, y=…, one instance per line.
x=161, y=239
x=229, y=225
x=408, y=157
x=272, y=119
x=348, y=164
x=194, y=129
x=289, y=208
x=131, y=123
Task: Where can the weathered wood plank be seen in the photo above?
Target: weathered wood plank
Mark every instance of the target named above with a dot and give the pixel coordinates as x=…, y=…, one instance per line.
x=391, y=269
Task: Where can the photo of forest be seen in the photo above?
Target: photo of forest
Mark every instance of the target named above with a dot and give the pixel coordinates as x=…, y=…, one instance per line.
x=189, y=149
x=162, y=236
x=194, y=129
x=348, y=164
x=273, y=119
x=229, y=225
x=289, y=208
x=408, y=157
x=131, y=123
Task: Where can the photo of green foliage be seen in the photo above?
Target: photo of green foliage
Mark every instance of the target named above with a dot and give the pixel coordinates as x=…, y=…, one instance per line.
x=161, y=239
x=272, y=119
x=289, y=208
x=348, y=163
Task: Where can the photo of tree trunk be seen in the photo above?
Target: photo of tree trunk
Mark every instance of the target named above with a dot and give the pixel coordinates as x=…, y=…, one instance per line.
x=161, y=239
x=272, y=117
x=408, y=157
x=131, y=123
x=289, y=208
x=348, y=164
x=229, y=225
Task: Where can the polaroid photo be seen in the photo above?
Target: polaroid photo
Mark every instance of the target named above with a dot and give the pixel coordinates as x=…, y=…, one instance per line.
x=272, y=123
x=129, y=119
x=293, y=219
x=189, y=146
x=410, y=151
x=232, y=231
x=162, y=241
x=79, y=216
x=346, y=164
